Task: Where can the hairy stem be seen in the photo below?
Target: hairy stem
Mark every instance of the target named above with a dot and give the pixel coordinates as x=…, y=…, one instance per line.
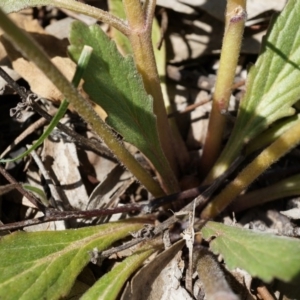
x=72, y=5
x=234, y=28
x=140, y=24
x=33, y=52
x=282, y=189
x=287, y=141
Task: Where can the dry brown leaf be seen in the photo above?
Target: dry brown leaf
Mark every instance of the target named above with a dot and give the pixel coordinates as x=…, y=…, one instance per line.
x=54, y=47
x=3, y=54
x=160, y=279
x=108, y=192
x=62, y=158
x=38, y=82
x=47, y=226
x=51, y=45
x=24, y=20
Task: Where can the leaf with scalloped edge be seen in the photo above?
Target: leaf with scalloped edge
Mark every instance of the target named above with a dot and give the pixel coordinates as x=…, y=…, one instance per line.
x=263, y=255
x=44, y=265
x=9, y=6
x=272, y=85
x=116, y=8
x=113, y=82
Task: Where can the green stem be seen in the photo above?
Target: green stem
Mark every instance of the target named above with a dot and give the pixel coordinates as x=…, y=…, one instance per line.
x=282, y=189
x=140, y=24
x=287, y=141
x=33, y=52
x=182, y=155
x=261, y=141
x=234, y=27
x=271, y=134
x=72, y=5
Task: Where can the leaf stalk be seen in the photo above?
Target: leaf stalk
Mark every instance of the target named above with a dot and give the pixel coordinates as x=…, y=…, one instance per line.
x=286, y=142
x=234, y=28
x=285, y=188
x=72, y=5
x=140, y=24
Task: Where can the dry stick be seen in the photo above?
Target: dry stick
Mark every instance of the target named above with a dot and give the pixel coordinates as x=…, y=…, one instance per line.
x=238, y=84
x=35, y=201
x=201, y=200
x=191, y=107
x=97, y=147
x=157, y=242
x=124, y=246
x=20, y=90
x=82, y=64
x=7, y=188
x=161, y=201
x=55, y=215
x=29, y=130
x=148, y=208
x=188, y=108
x=57, y=199
x=264, y=293
x=52, y=215
x=163, y=27
x=189, y=236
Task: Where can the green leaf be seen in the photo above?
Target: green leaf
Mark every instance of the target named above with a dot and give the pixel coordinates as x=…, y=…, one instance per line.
x=110, y=285
x=271, y=134
x=37, y=191
x=152, y=278
x=263, y=255
x=272, y=85
x=113, y=82
x=9, y=6
x=44, y=265
x=284, y=188
x=116, y=8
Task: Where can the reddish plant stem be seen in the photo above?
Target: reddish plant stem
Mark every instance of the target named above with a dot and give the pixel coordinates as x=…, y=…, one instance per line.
x=202, y=198
x=35, y=201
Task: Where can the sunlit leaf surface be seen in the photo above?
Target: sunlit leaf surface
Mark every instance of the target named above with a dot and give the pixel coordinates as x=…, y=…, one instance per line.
x=263, y=255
